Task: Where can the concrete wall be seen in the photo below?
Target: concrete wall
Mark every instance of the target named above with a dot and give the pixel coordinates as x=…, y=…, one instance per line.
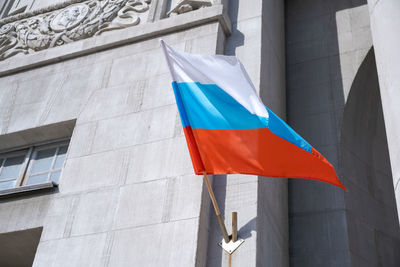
x=385, y=23
x=127, y=195
x=257, y=40
x=326, y=43
x=374, y=233
x=272, y=220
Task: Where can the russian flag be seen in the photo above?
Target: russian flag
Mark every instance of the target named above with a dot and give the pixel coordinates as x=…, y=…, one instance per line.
x=229, y=130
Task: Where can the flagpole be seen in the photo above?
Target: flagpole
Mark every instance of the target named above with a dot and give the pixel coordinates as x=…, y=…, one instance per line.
x=217, y=211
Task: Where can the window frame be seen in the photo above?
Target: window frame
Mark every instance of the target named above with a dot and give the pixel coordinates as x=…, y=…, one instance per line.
x=26, y=167
x=15, y=153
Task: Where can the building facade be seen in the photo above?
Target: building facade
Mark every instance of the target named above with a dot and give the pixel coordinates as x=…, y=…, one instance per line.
x=94, y=166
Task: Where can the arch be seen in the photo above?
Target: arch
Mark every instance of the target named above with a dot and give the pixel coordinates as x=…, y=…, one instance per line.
x=371, y=213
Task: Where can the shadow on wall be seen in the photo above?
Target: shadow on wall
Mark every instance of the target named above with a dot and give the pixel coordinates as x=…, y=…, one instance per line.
x=321, y=62
x=374, y=233
x=237, y=38
x=246, y=230
x=315, y=101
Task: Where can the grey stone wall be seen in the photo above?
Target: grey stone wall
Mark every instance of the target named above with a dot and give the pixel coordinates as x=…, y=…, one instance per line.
x=385, y=23
x=127, y=195
x=327, y=42
x=257, y=40
x=272, y=220
x=373, y=230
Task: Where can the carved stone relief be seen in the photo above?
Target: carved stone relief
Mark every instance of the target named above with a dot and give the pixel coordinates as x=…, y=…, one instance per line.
x=69, y=18
x=74, y=22
x=187, y=6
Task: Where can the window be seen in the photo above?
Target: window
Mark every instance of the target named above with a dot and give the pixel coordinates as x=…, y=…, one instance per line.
x=19, y=248
x=33, y=165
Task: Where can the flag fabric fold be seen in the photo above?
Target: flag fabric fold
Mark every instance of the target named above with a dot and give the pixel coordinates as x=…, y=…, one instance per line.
x=227, y=127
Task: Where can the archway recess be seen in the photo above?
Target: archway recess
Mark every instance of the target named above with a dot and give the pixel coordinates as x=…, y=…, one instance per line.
x=371, y=213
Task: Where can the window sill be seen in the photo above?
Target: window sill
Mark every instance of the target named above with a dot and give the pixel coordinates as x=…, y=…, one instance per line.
x=27, y=189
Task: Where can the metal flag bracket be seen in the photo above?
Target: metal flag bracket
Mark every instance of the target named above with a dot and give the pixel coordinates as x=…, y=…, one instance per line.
x=233, y=243
x=231, y=246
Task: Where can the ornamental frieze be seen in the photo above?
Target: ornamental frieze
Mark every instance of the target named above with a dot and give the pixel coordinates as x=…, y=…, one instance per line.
x=185, y=6
x=71, y=23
